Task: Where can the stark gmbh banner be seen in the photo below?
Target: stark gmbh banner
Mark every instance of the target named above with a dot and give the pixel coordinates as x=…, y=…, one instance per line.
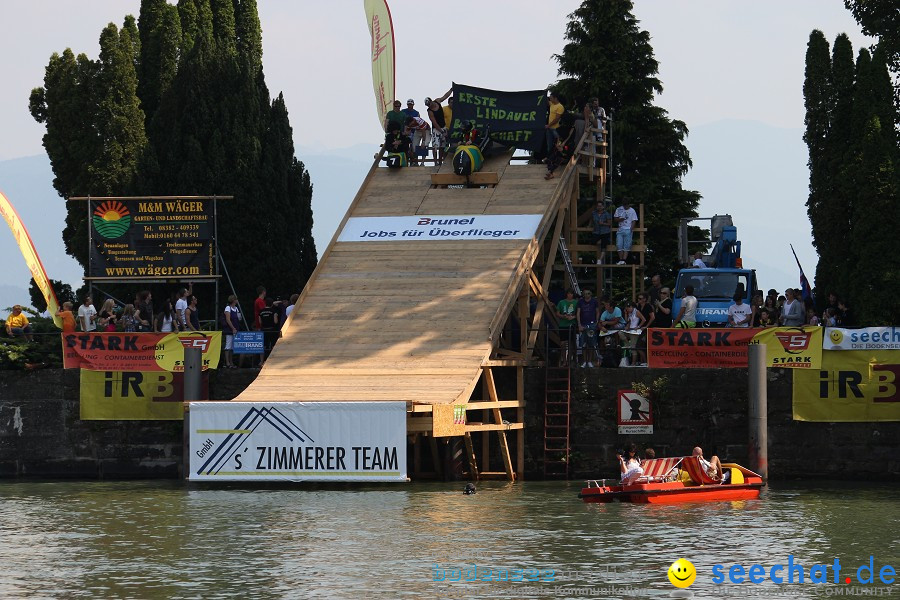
x=698, y=348
x=139, y=351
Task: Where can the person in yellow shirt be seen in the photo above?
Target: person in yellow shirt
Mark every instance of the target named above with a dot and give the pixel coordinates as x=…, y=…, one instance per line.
x=17, y=324
x=556, y=113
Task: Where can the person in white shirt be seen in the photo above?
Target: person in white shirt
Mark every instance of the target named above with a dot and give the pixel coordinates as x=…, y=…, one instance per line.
x=698, y=261
x=181, y=305
x=624, y=218
x=87, y=315
x=687, y=316
x=740, y=314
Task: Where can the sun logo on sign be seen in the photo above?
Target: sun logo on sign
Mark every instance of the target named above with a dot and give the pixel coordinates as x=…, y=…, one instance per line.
x=111, y=219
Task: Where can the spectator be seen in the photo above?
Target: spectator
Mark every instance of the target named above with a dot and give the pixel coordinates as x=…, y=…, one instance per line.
x=410, y=110
x=192, y=315
x=792, y=313
x=554, y=115
x=554, y=159
x=396, y=142
x=87, y=315
x=830, y=317
x=611, y=318
x=766, y=318
x=440, y=132
x=600, y=117
x=17, y=324
x=68, y=319
x=811, y=317
x=833, y=301
x=687, y=316
x=740, y=314
x=167, y=320
x=107, y=317
x=663, y=308
x=144, y=309
x=258, y=305
x=565, y=312
x=649, y=314
x=181, y=305
x=448, y=116
x=268, y=318
x=634, y=321
x=655, y=288
x=290, y=307
x=698, y=261
x=231, y=327
x=602, y=230
x=280, y=307
x=394, y=116
x=129, y=320
x=421, y=136
x=757, y=305
x=625, y=218
x=844, y=316
x=586, y=312
x=770, y=305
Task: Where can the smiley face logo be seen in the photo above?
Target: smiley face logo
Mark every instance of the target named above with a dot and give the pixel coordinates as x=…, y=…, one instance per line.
x=836, y=336
x=682, y=573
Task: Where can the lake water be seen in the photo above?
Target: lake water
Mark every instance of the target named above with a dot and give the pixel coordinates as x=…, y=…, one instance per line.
x=169, y=540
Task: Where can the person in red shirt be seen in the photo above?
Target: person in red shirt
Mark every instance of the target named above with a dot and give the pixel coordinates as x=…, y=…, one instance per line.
x=258, y=305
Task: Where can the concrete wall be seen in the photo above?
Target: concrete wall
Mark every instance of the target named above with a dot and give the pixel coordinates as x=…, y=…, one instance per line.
x=708, y=407
x=42, y=436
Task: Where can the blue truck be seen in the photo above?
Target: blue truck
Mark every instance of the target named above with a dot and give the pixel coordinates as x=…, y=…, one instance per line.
x=724, y=276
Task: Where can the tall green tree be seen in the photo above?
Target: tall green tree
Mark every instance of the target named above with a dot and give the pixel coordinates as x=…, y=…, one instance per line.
x=881, y=19
x=182, y=96
x=607, y=55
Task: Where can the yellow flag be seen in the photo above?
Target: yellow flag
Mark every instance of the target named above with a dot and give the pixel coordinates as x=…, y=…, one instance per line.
x=29, y=253
x=792, y=347
x=378, y=16
x=852, y=385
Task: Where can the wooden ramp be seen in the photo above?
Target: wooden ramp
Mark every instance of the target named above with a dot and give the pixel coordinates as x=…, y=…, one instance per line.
x=412, y=320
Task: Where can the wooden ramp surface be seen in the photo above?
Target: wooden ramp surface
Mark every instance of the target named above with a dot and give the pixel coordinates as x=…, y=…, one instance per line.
x=406, y=320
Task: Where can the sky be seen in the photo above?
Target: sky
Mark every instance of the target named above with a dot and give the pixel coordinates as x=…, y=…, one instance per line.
x=721, y=62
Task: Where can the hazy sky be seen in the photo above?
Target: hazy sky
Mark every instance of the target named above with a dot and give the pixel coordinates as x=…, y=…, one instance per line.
x=719, y=60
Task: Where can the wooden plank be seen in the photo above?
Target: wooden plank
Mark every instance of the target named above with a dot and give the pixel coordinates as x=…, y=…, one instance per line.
x=494, y=427
x=470, y=456
x=488, y=381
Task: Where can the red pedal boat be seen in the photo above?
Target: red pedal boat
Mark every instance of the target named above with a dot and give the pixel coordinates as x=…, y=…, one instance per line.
x=679, y=479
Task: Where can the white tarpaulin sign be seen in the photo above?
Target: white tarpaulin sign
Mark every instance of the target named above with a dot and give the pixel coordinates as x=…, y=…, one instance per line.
x=298, y=441
x=445, y=227
x=868, y=338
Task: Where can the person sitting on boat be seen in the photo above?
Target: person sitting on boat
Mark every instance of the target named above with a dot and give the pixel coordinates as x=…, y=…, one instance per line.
x=630, y=465
x=713, y=466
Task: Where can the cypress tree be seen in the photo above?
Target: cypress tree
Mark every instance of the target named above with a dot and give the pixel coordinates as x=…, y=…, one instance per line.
x=817, y=94
x=208, y=127
x=607, y=55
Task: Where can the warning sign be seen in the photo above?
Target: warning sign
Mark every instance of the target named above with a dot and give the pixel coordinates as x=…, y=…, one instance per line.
x=635, y=415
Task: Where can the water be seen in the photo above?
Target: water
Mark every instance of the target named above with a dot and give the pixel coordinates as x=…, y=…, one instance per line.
x=167, y=540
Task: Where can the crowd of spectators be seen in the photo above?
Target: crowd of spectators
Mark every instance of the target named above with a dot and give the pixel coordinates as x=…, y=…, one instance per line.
x=181, y=311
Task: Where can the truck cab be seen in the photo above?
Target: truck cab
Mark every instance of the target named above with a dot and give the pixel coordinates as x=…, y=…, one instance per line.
x=714, y=290
x=724, y=277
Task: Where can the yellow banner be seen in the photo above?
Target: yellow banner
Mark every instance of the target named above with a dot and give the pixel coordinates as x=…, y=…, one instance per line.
x=134, y=395
x=378, y=16
x=792, y=347
x=29, y=253
x=854, y=385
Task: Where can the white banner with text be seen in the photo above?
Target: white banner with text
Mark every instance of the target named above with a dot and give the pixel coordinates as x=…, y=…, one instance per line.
x=298, y=441
x=445, y=227
x=867, y=338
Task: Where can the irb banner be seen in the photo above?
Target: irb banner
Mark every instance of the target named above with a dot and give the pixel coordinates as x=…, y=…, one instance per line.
x=139, y=351
x=134, y=395
x=854, y=385
x=298, y=441
x=792, y=347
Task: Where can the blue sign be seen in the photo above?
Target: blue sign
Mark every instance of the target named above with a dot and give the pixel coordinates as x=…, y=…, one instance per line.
x=248, y=342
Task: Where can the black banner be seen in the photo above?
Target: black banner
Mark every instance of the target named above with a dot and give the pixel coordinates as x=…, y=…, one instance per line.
x=145, y=238
x=515, y=118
